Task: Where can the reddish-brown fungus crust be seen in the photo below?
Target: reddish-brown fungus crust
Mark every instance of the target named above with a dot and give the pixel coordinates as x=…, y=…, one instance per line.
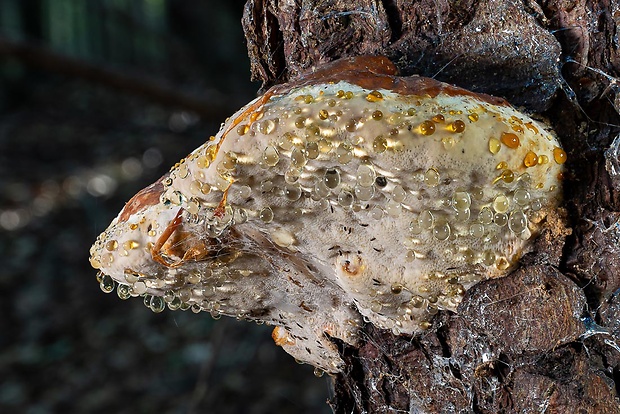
x=156, y=250
x=378, y=72
x=146, y=197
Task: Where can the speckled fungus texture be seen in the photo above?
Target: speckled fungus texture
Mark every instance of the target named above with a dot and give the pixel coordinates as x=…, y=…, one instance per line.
x=349, y=195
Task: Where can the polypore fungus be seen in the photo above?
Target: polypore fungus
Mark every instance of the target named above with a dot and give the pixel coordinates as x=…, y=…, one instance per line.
x=350, y=194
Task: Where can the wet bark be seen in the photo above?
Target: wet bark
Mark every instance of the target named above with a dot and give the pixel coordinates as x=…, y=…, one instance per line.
x=544, y=339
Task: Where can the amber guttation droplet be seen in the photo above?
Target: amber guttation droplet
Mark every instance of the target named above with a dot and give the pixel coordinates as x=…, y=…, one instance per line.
x=530, y=160
x=457, y=126
x=427, y=128
x=473, y=117
x=377, y=115
x=510, y=140
x=508, y=176
x=439, y=118
x=323, y=114
x=374, y=96
x=559, y=155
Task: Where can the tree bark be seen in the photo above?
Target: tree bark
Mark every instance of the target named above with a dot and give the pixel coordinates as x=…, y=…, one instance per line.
x=544, y=339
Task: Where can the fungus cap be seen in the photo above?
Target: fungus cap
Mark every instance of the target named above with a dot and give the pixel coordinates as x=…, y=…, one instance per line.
x=350, y=194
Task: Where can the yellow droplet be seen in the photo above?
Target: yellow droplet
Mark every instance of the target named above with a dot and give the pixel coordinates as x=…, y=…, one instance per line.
x=510, y=140
x=380, y=144
x=559, y=155
x=374, y=96
x=427, y=128
x=323, y=114
x=473, y=117
x=448, y=142
x=377, y=115
x=543, y=159
x=439, y=118
x=243, y=129
x=494, y=145
x=131, y=245
x=502, y=165
x=508, y=176
x=111, y=245
x=457, y=126
x=531, y=159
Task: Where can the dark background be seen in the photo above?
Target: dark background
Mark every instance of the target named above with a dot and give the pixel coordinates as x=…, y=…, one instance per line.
x=75, y=144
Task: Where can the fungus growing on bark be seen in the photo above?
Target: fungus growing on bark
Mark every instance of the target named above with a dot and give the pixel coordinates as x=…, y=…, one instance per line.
x=350, y=194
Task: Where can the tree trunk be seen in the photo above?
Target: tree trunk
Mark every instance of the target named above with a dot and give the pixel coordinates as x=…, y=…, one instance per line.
x=543, y=339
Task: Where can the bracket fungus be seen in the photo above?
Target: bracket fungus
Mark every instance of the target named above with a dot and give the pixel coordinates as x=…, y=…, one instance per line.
x=348, y=195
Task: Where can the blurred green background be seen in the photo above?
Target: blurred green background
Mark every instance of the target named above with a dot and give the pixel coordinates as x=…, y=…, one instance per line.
x=97, y=99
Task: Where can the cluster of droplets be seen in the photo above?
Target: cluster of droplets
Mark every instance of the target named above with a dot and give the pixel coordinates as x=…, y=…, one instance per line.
x=324, y=148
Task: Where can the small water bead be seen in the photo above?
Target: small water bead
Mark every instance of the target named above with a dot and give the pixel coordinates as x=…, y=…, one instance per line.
x=111, y=245
x=399, y=194
x=536, y=205
x=377, y=115
x=298, y=158
x=431, y=177
x=325, y=146
x=521, y=196
x=344, y=153
x=107, y=284
x=157, y=304
x=485, y=216
x=415, y=227
x=292, y=192
x=462, y=215
x=183, y=171
x=494, y=145
x=266, y=186
x=300, y=122
x=393, y=208
x=243, y=129
x=376, y=213
x=500, y=219
x=244, y=191
x=502, y=263
x=331, y=178
x=427, y=219
x=427, y=128
x=510, y=140
x=501, y=203
x=517, y=223
x=448, y=142
x=476, y=230
x=439, y=118
x=461, y=200
x=441, y=230
x=123, y=291
x=374, y=96
x=312, y=150
x=266, y=215
x=320, y=190
x=175, y=304
x=365, y=175
x=323, y=114
x=287, y=141
x=138, y=288
x=271, y=156
x=543, y=159
x=292, y=175
x=364, y=193
x=346, y=199
x=195, y=187
x=559, y=155
x=488, y=258
x=380, y=144
x=267, y=126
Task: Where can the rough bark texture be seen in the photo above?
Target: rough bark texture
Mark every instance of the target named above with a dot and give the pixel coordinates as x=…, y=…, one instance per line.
x=544, y=339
